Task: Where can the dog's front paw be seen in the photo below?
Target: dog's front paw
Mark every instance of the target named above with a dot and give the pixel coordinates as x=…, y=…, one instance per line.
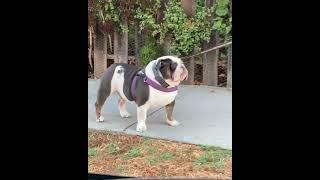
x=100, y=119
x=173, y=122
x=124, y=114
x=141, y=127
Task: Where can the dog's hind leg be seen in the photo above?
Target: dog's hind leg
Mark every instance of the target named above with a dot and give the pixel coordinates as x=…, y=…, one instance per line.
x=104, y=91
x=101, y=98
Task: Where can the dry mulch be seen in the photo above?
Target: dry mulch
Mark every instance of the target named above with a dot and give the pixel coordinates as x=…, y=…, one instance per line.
x=130, y=155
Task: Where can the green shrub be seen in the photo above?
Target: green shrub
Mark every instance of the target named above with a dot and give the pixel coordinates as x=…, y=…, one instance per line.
x=148, y=52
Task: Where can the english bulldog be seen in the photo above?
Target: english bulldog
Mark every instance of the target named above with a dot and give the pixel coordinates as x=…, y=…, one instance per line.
x=150, y=87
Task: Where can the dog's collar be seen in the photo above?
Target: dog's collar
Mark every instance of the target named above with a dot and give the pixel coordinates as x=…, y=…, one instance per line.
x=150, y=82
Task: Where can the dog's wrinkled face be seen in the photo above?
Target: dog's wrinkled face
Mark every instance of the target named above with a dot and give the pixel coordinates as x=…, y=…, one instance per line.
x=172, y=69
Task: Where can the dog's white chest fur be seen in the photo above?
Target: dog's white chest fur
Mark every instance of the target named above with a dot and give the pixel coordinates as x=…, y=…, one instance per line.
x=158, y=98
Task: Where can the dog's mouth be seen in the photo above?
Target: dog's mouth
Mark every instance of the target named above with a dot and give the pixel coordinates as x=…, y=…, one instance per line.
x=184, y=75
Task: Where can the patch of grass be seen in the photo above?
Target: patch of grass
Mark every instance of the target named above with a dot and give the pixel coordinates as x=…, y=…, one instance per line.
x=132, y=153
x=113, y=148
x=213, y=158
x=152, y=160
x=147, y=145
x=119, y=169
x=203, y=159
x=157, y=159
x=151, y=150
x=146, y=142
x=166, y=156
x=92, y=152
x=208, y=148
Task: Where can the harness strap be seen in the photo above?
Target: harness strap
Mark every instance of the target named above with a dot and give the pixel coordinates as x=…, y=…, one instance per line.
x=150, y=82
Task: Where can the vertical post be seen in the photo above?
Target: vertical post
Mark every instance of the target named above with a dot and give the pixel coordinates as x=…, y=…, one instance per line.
x=210, y=63
x=121, y=45
x=105, y=49
x=115, y=46
x=191, y=71
x=136, y=43
x=210, y=59
x=90, y=47
x=189, y=7
x=229, y=73
x=125, y=43
x=99, y=60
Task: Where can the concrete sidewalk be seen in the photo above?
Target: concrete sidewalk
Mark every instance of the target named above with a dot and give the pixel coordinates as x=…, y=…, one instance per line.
x=204, y=113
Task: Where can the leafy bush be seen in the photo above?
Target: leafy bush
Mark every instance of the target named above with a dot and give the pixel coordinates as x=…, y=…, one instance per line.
x=148, y=52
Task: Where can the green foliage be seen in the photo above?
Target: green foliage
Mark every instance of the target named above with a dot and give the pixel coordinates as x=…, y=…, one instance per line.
x=213, y=157
x=163, y=20
x=209, y=148
x=119, y=169
x=188, y=33
x=132, y=153
x=114, y=12
x=92, y=152
x=146, y=13
x=148, y=52
x=152, y=150
x=106, y=11
x=166, y=156
x=157, y=159
x=223, y=23
x=113, y=148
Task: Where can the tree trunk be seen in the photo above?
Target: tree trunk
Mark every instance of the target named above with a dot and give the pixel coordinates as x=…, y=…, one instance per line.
x=189, y=7
x=166, y=46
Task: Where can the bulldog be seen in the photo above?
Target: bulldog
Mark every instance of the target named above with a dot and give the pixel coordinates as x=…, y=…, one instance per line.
x=150, y=87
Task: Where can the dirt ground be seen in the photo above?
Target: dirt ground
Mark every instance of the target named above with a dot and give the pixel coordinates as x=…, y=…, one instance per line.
x=129, y=155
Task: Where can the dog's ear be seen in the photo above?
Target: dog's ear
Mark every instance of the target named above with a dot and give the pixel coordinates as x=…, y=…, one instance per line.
x=173, y=66
x=166, y=67
x=164, y=62
x=168, y=63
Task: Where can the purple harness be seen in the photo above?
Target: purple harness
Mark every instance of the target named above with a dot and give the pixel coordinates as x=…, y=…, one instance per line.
x=151, y=83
